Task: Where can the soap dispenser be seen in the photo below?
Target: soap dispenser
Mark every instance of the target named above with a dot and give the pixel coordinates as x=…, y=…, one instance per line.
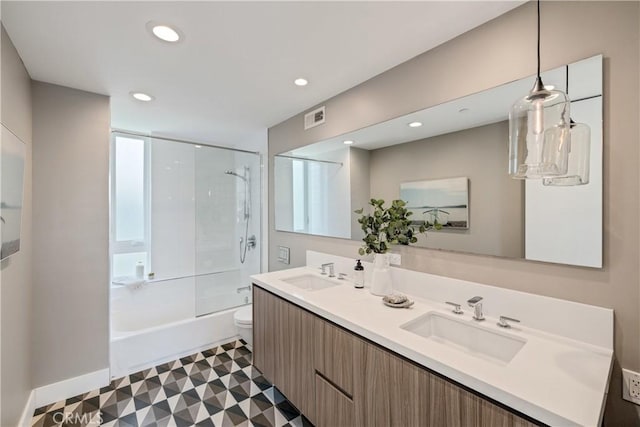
x=358, y=275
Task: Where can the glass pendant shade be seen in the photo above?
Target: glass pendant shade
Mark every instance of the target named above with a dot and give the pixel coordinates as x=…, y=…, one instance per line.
x=539, y=134
x=579, y=157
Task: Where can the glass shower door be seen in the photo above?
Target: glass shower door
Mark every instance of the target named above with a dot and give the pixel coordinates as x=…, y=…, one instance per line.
x=227, y=227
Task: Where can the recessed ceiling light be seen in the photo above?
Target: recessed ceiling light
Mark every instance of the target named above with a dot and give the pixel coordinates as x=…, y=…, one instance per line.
x=198, y=146
x=140, y=96
x=347, y=142
x=415, y=124
x=301, y=82
x=164, y=32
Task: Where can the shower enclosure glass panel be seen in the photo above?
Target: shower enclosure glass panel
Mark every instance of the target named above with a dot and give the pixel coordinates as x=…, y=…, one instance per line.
x=201, y=211
x=172, y=212
x=227, y=227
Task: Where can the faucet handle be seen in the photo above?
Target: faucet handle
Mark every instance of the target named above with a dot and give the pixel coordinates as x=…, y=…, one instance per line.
x=473, y=301
x=456, y=307
x=342, y=276
x=503, y=323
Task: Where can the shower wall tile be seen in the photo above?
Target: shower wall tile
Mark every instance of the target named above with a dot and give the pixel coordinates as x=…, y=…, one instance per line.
x=216, y=211
x=220, y=291
x=153, y=304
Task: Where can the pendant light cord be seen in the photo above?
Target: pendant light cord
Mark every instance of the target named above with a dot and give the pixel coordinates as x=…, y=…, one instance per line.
x=538, y=39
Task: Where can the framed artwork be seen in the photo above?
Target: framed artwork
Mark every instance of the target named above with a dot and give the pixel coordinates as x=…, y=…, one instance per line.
x=11, y=191
x=441, y=203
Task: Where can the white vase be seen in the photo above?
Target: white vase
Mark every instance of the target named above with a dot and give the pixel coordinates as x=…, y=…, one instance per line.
x=381, y=276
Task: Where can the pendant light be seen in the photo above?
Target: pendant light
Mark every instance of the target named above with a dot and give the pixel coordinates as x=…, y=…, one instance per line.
x=539, y=130
x=579, y=155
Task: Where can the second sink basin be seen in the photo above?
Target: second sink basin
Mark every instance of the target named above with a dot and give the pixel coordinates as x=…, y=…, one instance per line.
x=467, y=337
x=309, y=282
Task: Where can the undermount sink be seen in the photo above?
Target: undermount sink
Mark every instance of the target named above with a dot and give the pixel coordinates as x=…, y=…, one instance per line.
x=309, y=282
x=465, y=336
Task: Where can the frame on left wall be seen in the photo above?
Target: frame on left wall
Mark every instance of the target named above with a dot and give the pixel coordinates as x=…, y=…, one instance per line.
x=12, y=162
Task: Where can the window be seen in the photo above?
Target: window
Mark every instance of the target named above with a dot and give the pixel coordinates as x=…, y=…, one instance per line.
x=129, y=204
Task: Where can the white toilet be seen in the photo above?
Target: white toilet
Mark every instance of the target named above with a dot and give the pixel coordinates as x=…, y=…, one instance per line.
x=243, y=319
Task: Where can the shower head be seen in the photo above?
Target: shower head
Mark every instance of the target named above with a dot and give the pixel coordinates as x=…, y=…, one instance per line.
x=229, y=172
x=246, y=177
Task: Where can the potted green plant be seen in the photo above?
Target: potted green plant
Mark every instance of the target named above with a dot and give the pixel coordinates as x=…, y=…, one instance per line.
x=382, y=228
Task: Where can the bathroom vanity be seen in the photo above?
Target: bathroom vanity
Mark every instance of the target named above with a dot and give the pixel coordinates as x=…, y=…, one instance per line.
x=344, y=358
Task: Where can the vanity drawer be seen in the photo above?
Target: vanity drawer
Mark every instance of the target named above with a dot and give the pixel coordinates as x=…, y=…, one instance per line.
x=333, y=356
x=336, y=408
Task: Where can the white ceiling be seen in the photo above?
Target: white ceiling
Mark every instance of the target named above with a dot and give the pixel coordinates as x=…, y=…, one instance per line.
x=231, y=77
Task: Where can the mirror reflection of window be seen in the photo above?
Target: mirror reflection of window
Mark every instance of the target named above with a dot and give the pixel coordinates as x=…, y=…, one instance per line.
x=317, y=183
x=299, y=196
x=312, y=194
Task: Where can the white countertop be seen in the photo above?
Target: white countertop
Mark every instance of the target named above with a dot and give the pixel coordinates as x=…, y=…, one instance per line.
x=554, y=379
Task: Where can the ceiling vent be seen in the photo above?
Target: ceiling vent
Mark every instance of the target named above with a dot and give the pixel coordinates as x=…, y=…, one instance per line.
x=314, y=118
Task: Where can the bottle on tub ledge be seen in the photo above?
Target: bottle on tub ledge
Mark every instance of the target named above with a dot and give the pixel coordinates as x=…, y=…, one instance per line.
x=140, y=270
x=358, y=275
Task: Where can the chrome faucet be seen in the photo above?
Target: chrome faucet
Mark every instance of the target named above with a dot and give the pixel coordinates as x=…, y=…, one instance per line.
x=477, y=308
x=323, y=267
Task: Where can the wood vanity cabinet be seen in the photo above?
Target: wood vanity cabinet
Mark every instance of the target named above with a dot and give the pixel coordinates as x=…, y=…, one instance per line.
x=335, y=378
x=283, y=337
x=264, y=327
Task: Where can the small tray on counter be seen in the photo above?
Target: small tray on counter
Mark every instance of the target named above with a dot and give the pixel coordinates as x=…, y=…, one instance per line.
x=397, y=301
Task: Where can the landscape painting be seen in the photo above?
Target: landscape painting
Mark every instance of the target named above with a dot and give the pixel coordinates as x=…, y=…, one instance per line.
x=441, y=203
x=12, y=152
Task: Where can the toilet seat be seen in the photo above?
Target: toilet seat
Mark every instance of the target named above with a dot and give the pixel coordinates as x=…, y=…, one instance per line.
x=243, y=316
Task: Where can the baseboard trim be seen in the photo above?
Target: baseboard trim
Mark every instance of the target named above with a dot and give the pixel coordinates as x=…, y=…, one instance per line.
x=29, y=409
x=62, y=390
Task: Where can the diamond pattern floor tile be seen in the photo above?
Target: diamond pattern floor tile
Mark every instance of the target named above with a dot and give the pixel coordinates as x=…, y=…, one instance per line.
x=216, y=387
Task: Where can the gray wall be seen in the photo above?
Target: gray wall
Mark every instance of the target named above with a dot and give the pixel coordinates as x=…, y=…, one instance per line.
x=71, y=232
x=15, y=273
x=500, y=51
x=496, y=202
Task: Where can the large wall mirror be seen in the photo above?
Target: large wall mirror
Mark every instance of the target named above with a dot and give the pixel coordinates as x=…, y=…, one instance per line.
x=453, y=168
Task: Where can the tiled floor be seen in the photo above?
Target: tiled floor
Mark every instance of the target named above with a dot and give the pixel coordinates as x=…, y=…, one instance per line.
x=218, y=387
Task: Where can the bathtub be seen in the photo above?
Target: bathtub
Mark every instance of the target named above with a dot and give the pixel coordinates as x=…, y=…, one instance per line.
x=164, y=320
